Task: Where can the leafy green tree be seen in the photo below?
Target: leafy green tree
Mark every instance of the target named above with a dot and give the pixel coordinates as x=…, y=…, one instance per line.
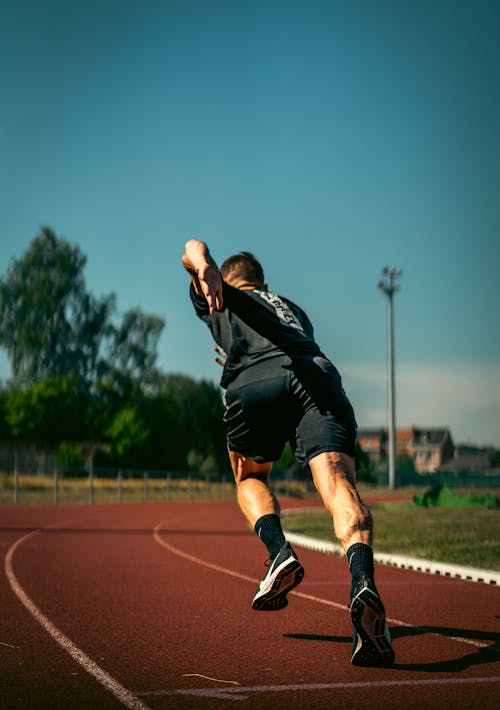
x=494, y=457
x=84, y=377
x=47, y=412
x=49, y=324
x=127, y=435
x=69, y=455
x=200, y=464
x=183, y=415
x=4, y=427
x=289, y=463
x=133, y=345
x=365, y=468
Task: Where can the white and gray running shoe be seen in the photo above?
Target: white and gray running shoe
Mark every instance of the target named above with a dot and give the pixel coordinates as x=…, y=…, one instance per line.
x=285, y=572
x=371, y=641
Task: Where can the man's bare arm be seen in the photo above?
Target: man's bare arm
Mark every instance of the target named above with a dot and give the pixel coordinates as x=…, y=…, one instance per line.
x=204, y=272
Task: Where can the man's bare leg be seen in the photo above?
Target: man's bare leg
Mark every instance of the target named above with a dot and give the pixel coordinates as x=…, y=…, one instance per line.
x=334, y=477
x=254, y=496
x=261, y=509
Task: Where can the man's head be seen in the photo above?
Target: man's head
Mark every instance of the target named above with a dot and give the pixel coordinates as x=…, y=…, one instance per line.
x=243, y=271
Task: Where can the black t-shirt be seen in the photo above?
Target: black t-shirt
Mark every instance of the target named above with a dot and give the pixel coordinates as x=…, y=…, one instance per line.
x=256, y=325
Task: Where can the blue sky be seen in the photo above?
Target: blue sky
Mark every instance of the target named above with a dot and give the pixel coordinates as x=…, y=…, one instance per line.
x=329, y=138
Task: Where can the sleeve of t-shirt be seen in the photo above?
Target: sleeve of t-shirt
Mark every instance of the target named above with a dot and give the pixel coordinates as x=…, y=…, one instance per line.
x=199, y=302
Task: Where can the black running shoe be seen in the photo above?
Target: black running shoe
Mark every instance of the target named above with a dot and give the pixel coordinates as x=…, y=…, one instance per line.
x=371, y=640
x=285, y=572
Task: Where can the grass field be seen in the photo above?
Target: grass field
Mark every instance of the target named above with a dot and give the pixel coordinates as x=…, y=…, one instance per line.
x=466, y=536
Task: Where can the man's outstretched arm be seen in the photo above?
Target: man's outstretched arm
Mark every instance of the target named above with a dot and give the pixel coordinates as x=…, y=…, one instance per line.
x=204, y=272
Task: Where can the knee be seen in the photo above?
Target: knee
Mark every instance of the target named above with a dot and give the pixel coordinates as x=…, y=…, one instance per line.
x=245, y=469
x=251, y=476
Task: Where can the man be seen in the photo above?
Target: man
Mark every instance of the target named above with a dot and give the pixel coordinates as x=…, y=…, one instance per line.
x=280, y=387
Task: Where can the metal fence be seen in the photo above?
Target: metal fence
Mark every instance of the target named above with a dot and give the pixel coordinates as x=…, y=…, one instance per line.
x=38, y=480
x=104, y=485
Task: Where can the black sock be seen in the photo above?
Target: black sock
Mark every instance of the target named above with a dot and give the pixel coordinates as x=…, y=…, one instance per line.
x=360, y=558
x=268, y=528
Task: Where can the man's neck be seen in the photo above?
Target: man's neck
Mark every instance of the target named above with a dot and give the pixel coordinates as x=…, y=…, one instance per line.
x=243, y=285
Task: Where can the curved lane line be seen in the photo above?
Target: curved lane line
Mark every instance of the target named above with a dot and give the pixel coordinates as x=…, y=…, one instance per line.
x=302, y=595
x=230, y=572
x=111, y=684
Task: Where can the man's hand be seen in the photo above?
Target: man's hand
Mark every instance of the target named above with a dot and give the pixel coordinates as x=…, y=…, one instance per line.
x=205, y=274
x=222, y=357
x=210, y=283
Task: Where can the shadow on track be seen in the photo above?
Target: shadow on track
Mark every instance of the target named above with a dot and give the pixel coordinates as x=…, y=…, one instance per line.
x=478, y=657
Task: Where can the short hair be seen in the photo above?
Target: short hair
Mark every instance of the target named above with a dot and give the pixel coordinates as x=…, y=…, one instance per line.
x=245, y=266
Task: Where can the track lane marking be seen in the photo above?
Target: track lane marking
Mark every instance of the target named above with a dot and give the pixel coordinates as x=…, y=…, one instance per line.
x=232, y=573
x=239, y=692
x=105, y=679
x=319, y=600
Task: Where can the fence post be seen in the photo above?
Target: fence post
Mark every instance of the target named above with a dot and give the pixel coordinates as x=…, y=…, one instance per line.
x=167, y=490
x=16, y=477
x=207, y=486
x=146, y=479
x=56, y=485
x=189, y=485
x=119, y=491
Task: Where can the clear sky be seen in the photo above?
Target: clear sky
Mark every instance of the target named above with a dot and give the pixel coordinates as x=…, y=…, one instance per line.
x=330, y=138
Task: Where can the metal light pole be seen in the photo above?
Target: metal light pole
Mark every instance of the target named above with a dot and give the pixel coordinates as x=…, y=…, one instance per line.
x=388, y=286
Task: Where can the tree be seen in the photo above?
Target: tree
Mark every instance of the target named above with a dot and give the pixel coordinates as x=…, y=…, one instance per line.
x=288, y=462
x=183, y=415
x=365, y=468
x=50, y=325
x=84, y=376
x=134, y=343
x=47, y=412
x=127, y=434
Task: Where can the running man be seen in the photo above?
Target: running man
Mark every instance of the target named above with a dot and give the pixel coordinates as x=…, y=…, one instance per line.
x=280, y=387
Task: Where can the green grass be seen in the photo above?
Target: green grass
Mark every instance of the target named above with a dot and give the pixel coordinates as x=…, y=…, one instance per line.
x=466, y=536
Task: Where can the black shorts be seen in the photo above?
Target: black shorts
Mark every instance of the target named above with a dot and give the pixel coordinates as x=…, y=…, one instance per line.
x=273, y=402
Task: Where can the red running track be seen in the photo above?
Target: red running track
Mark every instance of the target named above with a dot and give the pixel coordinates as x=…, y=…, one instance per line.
x=148, y=606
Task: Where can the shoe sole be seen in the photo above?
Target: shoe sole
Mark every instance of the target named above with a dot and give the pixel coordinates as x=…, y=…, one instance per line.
x=274, y=598
x=373, y=643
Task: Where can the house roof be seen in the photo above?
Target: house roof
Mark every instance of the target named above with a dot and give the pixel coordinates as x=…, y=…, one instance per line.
x=404, y=434
x=429, y=436
x=416, y=436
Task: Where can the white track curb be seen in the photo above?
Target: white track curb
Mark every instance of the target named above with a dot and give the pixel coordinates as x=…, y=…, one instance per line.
x=471, y=574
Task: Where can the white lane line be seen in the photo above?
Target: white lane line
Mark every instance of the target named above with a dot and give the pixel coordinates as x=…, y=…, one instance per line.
x=239, y=693
x=111, y=684
x=230, y=572
x=319, y=600
x=197, y=560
